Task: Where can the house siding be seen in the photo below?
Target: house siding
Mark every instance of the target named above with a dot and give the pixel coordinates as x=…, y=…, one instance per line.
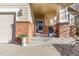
x=14, y=7
x=24, y=23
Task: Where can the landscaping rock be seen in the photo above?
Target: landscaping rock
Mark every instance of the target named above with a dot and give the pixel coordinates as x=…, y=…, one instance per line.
x=68, y=49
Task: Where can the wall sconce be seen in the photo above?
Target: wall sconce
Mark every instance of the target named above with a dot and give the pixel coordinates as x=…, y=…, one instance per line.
x=19, y=13
x=46, y=17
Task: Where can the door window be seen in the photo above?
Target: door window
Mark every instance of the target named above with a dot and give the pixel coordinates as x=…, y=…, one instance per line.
x=39, y=25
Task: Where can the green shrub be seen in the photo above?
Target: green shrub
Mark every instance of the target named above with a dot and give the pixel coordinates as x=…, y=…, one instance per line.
x=22, y=35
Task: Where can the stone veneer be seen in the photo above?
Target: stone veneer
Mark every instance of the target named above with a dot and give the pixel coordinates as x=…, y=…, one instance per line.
x=25, y=27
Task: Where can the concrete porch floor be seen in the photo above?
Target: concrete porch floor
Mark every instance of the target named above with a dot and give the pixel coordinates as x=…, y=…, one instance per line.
x=16, y=50
x=40, y=40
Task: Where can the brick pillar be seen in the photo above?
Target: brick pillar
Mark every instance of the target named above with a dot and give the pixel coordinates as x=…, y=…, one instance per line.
x=72, y=31
x=31, y=31
x=26, y=28
x=62, y=29
x=45, y=30
x=57, y=29
x=58, y=19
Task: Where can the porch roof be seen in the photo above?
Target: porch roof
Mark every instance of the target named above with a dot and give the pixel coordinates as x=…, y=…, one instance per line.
x=42, y=8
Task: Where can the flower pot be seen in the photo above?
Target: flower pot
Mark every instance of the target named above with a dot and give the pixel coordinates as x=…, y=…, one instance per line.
x=24, y=41
x=18, y=41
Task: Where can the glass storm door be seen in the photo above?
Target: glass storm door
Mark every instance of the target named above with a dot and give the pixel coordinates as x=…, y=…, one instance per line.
x=39, y=26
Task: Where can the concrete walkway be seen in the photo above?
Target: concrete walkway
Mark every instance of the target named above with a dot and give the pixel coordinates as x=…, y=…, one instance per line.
x=15, y=50
x=36, y=41
x=40, y=46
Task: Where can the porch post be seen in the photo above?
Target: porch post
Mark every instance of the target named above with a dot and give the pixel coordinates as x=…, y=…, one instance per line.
x=62, y=22
x=58, y=18
x=58, y=12
x=30, y=25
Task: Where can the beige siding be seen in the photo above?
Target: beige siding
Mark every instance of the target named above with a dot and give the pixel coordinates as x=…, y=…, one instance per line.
x=23, y=7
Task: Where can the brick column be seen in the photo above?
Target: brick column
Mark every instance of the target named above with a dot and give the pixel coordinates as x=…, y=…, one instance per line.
x=58, y=18
x=45, y=30
x=26, y=28
x=72, y=31
x=31, y=31
x=64, y=30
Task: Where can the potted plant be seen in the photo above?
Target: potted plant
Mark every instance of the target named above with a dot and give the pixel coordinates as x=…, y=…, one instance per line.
x=23, y=39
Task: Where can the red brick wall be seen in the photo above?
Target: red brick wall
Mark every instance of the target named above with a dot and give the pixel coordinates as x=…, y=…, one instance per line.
x=72, y=31
x=25, y=27
x=45, y=29
x=57, y=29
x=62, y=29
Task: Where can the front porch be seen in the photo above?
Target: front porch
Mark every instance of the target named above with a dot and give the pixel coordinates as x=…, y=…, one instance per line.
x=57, y=16
x=42, y=16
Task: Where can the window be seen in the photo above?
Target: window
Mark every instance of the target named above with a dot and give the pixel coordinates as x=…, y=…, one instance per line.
x=72, y=19
x=64, y=15
x=53, y=20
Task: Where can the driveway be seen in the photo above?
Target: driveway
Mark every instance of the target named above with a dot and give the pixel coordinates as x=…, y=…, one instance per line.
x=16, y=50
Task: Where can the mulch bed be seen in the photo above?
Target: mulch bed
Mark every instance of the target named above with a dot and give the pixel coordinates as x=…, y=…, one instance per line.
x=67, y=49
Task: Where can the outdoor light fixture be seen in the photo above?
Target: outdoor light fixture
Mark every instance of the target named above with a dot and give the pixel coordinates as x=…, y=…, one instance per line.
x=20, y=13
x=46, y=17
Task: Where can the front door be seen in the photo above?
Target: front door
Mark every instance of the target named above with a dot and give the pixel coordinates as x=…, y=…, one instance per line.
x=39, y=26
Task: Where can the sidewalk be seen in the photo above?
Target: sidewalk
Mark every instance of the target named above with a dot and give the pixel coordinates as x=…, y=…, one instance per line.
x=15, y=50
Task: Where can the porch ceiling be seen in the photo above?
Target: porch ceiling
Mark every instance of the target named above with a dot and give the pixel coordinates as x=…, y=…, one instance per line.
x=66, y=4
x=42, y=8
